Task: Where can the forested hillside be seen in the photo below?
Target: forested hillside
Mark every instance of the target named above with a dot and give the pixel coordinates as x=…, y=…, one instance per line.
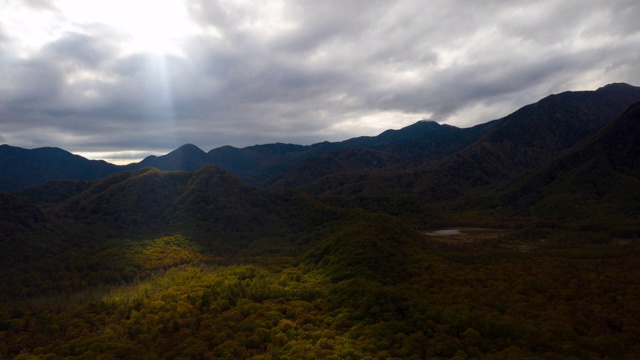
x=597, y=182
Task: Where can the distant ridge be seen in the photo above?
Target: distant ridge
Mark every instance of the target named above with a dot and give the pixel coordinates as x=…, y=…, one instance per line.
x=20, y=168
x=518, y=144
x=484, y=155
x=393, y=150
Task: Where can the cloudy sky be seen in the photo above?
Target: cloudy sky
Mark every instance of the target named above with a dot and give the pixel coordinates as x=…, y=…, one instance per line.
x=122, y=79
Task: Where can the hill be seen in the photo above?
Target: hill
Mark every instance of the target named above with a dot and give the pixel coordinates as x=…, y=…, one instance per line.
x=17, y=216
x=300, y=280
x=53, y=191
x=209, y=205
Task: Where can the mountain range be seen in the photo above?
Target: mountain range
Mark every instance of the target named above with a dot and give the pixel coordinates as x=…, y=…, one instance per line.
x=263, y=165
x=337, y=249
x=483, y=154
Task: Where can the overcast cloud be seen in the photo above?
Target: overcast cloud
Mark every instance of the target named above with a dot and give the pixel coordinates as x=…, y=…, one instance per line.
x=128, y=78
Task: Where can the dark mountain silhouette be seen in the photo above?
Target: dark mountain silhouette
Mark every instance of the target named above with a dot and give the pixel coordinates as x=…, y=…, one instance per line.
x=20, y=168
x=187, y=157
x=426, y=138
x=131, y=199
x=285, y=165
x=260, y=164
x=537, y=133
x=255, y=163
x=517, y=145
x=403, y=149
x=598, y=180
x=425, y=158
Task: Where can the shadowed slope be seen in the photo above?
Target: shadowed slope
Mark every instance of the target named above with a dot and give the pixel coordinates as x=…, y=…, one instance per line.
x=597, y=181
x=20, y=168
x=518, y=144
x=537, y=133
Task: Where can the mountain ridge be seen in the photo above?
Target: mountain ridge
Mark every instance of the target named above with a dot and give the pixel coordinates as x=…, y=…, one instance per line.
x=21, y=168
x=257, y=162
x=504, y=143
x=518, y=143
x=596, y=179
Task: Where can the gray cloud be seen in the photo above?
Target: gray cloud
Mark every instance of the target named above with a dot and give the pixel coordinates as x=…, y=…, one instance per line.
x=303, y=72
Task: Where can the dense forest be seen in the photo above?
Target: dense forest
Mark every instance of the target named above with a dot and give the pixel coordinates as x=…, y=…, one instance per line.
x=501, y=296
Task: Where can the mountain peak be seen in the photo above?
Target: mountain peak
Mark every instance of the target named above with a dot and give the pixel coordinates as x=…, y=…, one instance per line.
x=187, y=157
x=189, y=148
x=615, y=86
x=425, y=121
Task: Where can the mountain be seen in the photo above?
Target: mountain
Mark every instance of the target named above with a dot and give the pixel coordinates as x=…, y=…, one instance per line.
x=255, y=163
x=424, y=139
x=20, y=168
x=88, y=231
x=434, y=155
x=188, y=157
x=126, y=200
x=537, y=133
x=393, y=150
x=597, y=181
x=263, y=165
x=516, y=145
x=285, y=165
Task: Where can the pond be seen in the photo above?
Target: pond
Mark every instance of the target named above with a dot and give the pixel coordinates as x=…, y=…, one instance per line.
x=446, y=232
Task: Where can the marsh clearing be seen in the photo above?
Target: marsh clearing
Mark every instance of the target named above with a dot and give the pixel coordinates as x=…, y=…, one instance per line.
x=464, y=235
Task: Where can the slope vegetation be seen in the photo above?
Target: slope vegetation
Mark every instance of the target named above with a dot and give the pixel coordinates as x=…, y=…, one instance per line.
x=598, y=181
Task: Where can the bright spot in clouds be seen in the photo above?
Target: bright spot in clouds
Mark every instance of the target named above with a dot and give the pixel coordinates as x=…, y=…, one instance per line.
x=146, y=26
x=137, y=26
